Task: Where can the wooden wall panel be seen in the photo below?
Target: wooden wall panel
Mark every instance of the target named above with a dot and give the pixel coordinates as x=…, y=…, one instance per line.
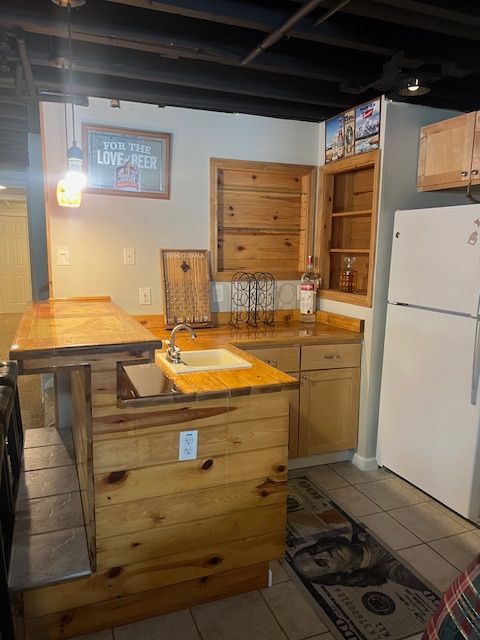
x=260, y=210
x=159, y=512
x=136, y=484
x=261, y=216
x=156, y=543
x=123, y=610
x=161, y=447
x=122, y=581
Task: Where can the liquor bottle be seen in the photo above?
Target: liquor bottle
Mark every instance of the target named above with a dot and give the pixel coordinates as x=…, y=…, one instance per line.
x=309, y=284
x=348, y=277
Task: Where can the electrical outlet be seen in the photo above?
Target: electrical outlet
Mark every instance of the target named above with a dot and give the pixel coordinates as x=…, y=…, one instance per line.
x=145, y=295
x=187, y=448
x=219, y=292
x=129, y=256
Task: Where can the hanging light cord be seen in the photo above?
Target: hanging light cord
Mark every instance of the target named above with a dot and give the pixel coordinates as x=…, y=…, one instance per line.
x=70, y=56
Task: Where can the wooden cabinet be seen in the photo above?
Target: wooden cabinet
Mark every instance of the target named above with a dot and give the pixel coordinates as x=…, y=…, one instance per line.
x=328, y=411
x=449, y=153
x=324, y=410
x=347, y=225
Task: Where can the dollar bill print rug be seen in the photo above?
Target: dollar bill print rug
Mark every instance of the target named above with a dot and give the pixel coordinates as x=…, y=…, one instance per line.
x=365, y=591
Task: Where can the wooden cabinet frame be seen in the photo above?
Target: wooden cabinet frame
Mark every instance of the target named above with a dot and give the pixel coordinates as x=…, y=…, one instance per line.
x=341, y=203
x=261, y=216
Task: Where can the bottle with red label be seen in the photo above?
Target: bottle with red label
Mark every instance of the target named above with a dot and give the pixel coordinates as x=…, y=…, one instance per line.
x=309, y=284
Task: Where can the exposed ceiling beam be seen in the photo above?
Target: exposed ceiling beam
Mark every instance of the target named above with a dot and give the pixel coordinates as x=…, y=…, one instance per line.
x=282, y=30
x=105, y=87
x=14, y=112
x=235, y=81
x=386, y=42
x=385, y=11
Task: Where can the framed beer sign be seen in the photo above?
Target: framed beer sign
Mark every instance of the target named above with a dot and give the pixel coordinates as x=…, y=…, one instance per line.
x=127, y=161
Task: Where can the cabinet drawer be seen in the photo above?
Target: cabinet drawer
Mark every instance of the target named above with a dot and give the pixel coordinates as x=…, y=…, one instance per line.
x=335, y=356
x=283, y=358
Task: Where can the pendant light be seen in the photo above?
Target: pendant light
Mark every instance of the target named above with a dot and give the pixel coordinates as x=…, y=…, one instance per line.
x=412, y=87
x=69, y=189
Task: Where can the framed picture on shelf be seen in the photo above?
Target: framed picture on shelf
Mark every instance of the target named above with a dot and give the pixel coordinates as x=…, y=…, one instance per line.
x=127, y=161
x=349, y=126
x=334, y=138
x=367, y=126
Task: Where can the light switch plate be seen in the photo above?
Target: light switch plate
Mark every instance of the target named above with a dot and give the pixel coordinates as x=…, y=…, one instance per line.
x=129, y=256
x=219, y=291
x=63, y=256
x=145, y=295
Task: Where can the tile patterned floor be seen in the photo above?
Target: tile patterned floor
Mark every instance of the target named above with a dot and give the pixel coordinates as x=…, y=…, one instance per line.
x=437, y=542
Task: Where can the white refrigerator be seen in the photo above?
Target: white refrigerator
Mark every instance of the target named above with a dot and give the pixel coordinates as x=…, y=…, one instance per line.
x=429, y=420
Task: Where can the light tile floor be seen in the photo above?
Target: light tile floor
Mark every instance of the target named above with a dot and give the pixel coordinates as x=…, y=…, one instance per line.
x=437, y=542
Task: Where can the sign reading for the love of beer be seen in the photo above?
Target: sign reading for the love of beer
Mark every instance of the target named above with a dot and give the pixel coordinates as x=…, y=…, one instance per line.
x=127, y=162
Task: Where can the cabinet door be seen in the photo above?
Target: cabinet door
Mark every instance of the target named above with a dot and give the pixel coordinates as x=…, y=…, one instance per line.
x=294, y=399
x=328, y=411
x=445, y=154
x=475, y=172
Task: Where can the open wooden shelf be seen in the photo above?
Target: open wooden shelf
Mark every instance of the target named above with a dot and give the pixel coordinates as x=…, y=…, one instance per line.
x=343, y=214
x=343, y=250
x=347, y=225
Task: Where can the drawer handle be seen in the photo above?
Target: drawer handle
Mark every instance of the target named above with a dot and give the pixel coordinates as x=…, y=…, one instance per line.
x=272, y=362
x=474, y=172
x=335, y=357
x=208, y=464
x=464, y=174
x=215, y=560
x=304, y=376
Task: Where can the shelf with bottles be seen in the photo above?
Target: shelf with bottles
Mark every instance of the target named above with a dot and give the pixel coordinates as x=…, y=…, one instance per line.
x=346, y=225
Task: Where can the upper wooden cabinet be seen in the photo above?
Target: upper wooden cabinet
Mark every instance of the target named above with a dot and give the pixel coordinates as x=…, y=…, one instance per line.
x=260, y=217
x=346, y=225
x=449, y=154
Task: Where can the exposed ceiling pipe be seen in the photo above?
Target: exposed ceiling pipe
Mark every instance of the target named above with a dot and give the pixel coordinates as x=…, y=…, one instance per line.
x=282, y=30
x=27, y=69
x=330, y=12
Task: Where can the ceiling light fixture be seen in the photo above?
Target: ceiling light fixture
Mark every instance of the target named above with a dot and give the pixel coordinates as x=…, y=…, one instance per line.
x=412, y=87
x=69, y=189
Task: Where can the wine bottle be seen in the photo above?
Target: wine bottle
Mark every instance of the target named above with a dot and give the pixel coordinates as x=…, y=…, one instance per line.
x=309, y=283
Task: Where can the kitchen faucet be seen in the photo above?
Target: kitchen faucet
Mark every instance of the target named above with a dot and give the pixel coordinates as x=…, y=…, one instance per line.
x=173, y=352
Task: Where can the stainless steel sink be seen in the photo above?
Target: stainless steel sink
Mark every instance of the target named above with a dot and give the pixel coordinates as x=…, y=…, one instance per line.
x=205, y=360
x=145, y=380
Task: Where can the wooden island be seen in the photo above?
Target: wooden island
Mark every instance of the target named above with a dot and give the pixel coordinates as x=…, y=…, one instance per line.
x=162, y=534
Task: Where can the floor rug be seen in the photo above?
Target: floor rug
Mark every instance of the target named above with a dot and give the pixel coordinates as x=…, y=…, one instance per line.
x=365, y=591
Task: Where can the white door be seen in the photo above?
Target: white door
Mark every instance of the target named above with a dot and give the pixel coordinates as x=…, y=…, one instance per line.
x=428, y=429
x=436, y=258
x=15, y=280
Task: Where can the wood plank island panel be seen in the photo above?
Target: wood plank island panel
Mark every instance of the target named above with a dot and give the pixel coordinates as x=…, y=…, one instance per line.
x=260, y=217
x=167, y=534
x=105, y=614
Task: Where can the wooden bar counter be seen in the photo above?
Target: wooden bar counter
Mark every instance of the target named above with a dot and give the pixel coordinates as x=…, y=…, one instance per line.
x=162, y=534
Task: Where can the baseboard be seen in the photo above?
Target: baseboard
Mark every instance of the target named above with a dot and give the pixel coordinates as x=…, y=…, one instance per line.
x=324, y=458
x=365, y=464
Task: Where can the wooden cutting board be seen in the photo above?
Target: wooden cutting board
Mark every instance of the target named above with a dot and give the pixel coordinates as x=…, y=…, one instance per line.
x=186, y=284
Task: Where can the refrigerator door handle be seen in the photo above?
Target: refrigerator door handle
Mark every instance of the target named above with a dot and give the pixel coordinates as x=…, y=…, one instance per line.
x=476, y=296
x=476, y=365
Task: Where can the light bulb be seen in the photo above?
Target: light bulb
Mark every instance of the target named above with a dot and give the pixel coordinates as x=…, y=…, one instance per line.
x=68, y=194
x=77, y=179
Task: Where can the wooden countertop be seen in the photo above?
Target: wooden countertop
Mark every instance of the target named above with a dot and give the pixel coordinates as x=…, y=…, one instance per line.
x=97, y=325
x=77, y=326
